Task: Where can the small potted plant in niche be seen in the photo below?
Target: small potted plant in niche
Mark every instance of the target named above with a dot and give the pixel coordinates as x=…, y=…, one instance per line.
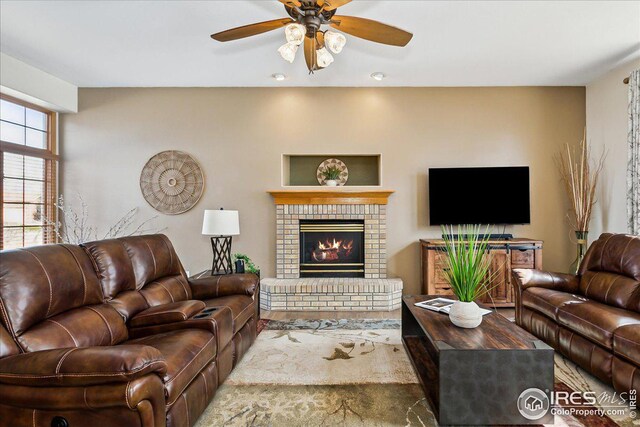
x=468, y=263
x=331, y=175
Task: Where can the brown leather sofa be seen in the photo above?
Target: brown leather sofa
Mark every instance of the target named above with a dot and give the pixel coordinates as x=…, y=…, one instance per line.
x=592, y=318
x=113, y=333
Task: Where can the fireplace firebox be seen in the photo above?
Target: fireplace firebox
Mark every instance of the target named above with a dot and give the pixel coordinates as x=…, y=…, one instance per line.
x=331, y=248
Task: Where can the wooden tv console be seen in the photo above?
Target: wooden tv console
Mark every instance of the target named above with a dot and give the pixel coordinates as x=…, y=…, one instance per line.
x=506, y=255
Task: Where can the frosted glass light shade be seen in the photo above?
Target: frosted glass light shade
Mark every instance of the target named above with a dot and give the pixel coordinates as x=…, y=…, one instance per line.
x=220, y=223
x=334, y=41
x=288, y=51
x=324, y=57
x=295, y=33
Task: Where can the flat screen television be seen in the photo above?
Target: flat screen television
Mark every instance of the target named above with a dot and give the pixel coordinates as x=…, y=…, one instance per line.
x=487, y=195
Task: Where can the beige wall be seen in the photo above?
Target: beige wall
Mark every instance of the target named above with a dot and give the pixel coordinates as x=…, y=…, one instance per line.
x=607, y=128
x=238, y=135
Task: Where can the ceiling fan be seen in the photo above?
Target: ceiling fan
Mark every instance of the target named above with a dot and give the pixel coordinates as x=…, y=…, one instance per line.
x=305, y=26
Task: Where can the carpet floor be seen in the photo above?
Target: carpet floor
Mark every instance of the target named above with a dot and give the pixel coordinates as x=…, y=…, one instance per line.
x=347, y=373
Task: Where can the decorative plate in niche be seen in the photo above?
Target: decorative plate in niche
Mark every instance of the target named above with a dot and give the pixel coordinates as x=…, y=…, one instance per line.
x=344, y=172
x=172, y=182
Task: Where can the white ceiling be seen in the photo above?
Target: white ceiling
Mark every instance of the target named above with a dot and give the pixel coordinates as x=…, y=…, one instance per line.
x=167, y=43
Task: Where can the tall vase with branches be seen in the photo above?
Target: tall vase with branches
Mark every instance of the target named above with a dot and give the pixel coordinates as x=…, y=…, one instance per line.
x=580, y=174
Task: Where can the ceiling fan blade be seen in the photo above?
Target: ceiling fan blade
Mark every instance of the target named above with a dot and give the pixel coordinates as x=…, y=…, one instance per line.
x=334, y=4
x=371, y=30
x=291, y=3
x=310, y=55
x=250, y=30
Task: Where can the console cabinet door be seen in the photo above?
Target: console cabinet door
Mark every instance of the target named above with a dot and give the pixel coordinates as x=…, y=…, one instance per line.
x=500, y=269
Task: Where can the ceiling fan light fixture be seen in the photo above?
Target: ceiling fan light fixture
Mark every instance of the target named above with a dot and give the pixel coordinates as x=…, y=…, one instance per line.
x=378, y=76
x=334, y=41
x=288, y=51
x=324, y=58
x=295, y=33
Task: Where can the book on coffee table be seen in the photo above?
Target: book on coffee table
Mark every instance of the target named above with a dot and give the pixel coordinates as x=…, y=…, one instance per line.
x=442, y=305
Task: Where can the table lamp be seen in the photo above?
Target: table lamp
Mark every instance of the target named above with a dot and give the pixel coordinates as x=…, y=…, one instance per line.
x=221, y=225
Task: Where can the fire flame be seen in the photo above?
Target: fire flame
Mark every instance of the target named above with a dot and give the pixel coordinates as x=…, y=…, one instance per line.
x=332, y=250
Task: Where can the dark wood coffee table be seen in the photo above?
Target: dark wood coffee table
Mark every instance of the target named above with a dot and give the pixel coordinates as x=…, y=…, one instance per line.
x=475, y=376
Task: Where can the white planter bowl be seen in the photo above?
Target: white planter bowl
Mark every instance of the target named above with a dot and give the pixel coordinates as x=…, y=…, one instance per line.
x=331, y=183
x=465, y=314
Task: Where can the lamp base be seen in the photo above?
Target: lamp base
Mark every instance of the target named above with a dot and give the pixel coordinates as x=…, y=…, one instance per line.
x=221, y=264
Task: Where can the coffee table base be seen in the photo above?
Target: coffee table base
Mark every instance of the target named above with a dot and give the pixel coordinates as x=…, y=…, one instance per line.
x=477, y=386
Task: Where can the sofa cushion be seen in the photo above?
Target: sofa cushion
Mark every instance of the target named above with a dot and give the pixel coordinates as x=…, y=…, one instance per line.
x=611, y=272
x=242, y=308
x=40, y=282
x=152, y=257
x=595, y=321
x=166, y=290
x=614, y=253
x=112, y=265
x=186, y=353
x=611, y=289
x=547, y=301
x=626, y=343
x=93, y=325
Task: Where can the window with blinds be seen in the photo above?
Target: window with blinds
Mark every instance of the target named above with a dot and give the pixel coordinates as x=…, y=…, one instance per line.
x=28, y=162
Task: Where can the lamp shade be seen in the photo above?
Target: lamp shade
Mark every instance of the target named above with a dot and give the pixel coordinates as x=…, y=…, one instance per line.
x=220, y=223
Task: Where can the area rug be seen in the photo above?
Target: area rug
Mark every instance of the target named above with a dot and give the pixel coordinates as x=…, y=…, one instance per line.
x=346, y=373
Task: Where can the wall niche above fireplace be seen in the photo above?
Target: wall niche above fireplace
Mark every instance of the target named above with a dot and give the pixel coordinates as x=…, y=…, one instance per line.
x=331, y=248
x=299, y=170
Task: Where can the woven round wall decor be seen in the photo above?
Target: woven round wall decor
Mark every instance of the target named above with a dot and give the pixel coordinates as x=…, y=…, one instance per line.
x=337, y=163
x=172, y=182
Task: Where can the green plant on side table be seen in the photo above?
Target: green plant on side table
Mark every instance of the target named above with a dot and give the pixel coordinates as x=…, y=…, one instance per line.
x=249, y=266
x=468, y=271
x=331, y=176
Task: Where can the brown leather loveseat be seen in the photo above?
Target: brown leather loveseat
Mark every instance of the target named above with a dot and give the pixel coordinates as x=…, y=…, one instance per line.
x=113, y=333
x=592, y=318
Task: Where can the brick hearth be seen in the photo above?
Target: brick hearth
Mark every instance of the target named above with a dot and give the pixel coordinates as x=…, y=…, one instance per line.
x=328, y=294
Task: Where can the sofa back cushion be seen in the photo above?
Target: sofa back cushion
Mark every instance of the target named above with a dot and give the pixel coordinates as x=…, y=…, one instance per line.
x=46, y=294
x=610, y=271
x=40, y=282
x=138, y=272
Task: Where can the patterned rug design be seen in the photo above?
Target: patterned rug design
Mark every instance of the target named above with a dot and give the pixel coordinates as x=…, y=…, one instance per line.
x=346, y=373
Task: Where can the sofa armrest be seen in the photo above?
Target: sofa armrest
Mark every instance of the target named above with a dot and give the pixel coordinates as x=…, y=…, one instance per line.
x=526, y=278
x=167, y=313
x=217, y=320
x=223, y=285
x=81, y=366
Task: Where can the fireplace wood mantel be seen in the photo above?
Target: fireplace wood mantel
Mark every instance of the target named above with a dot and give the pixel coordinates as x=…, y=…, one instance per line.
x=330, y=197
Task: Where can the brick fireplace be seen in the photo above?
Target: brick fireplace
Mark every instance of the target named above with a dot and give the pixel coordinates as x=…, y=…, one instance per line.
x=331, y=248
x=331, y=252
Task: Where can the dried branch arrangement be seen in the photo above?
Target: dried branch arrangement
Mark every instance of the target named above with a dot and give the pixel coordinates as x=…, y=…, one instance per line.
x=72, y=226
x=580, y=177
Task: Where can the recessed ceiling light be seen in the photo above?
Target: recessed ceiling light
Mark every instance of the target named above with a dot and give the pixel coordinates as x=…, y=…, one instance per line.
x=279, y=76
x=378, y=76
